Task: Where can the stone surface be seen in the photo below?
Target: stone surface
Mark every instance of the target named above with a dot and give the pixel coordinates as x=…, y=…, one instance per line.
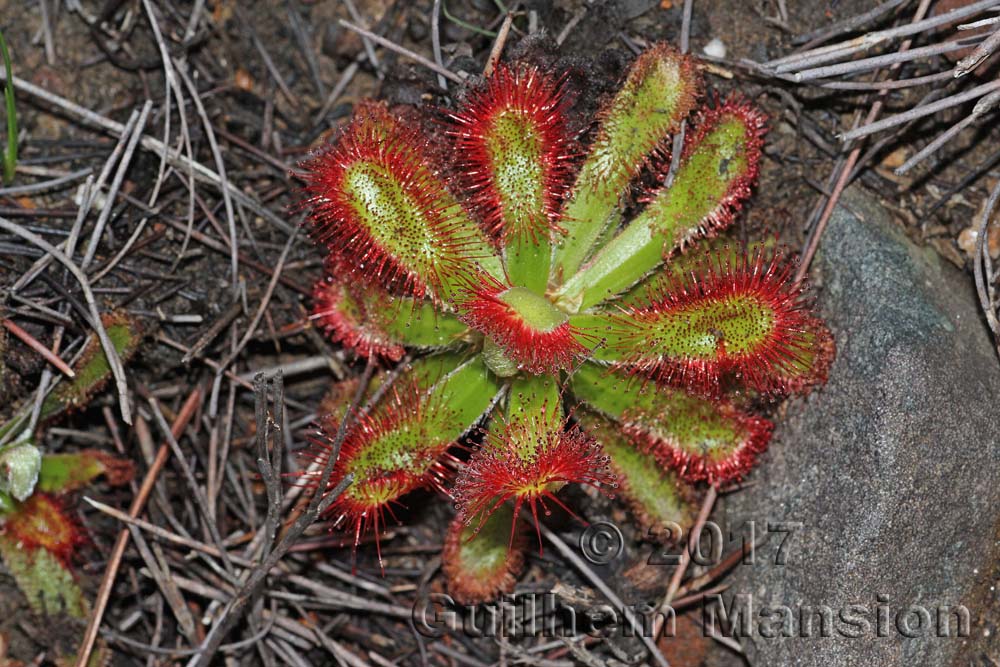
x=892, y=469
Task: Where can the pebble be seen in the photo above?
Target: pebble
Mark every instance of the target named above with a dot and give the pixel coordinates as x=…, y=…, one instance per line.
x=715, y=48
x=968, y=236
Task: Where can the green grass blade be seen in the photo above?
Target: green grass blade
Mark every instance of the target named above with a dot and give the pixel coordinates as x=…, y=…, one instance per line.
x=10, y=156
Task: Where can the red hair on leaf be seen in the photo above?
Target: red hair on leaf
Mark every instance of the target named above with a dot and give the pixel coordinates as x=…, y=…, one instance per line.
x=527, y=327
x=42, y=522
x=376, y=202
x=391, y=451
x=739, y=188
x=342, y=316
x=507, y=468
x=514, y=151
x=745, y=319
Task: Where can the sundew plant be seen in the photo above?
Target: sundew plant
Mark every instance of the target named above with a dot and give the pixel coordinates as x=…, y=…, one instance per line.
x=574, y=336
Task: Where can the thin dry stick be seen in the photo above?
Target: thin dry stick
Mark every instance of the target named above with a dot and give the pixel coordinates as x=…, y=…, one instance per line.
x=44, y=186
x=37, y=346
x=878, y=62
x=266, y=299
x=50, y=49
x=203, y=173
x=498, y=45
x=436, y=41
x=919, y=112
x=873, y=38
x=693, y=537
x=403, y=51
x=981, y=53
x=116, y=183
x=847, y=25
x=338, y=90
x=982, y=23
x=568, y=28
x=981, y=259
x=220, y=166
x=199, y=493
x=320, y=501
x=982, y=107
x=678, y=145
x=114, y=361
x=164, y=534
x=118, y=551
x=272, y=68
x=810, y=250
x=369, y=49
x=172, y=87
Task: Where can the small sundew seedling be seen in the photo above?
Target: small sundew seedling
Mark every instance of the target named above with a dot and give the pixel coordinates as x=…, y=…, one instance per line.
x=538, y=311
x=40, y=536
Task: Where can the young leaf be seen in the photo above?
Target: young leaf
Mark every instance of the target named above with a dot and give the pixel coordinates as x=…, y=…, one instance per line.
x=514, y=151
x=62, y=473
x=19, y=465
x=528, y=456
x=717, y=171
x=532, y=333
x=657, y=95
x=37, y=544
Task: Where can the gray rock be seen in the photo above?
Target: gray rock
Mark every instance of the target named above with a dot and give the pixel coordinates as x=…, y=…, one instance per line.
x=892, y=470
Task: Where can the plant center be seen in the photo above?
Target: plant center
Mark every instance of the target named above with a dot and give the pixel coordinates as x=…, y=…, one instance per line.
x=536, y=311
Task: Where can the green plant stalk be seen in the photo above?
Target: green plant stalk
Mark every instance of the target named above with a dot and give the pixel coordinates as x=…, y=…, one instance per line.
x=536, y=407
x=658, y=93
x=10, y=156
x=674, y=217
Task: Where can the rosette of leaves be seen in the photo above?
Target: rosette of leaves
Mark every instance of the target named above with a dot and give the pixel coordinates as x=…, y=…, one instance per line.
x=580, y=339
